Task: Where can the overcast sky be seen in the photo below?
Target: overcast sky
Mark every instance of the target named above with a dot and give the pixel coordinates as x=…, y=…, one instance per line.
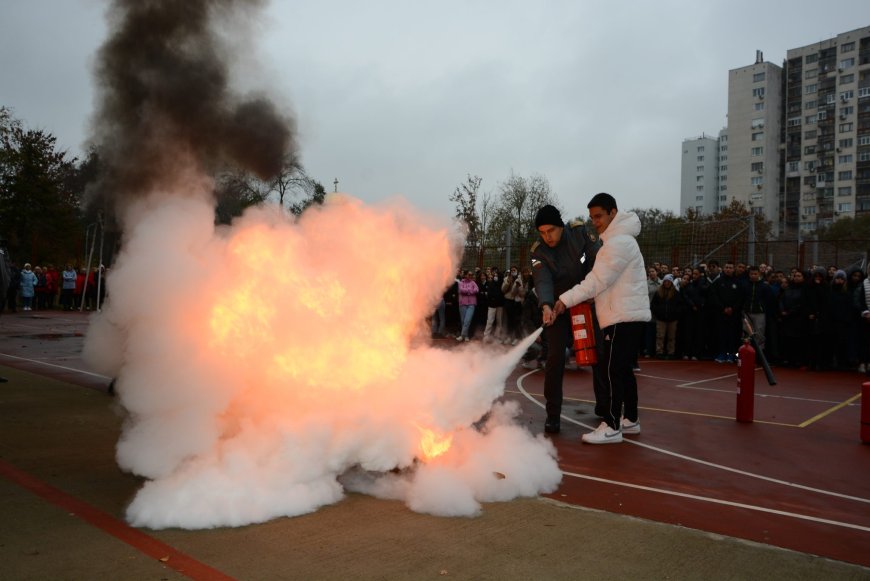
x=407, y=98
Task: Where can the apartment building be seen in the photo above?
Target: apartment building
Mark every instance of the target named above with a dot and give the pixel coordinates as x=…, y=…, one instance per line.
x=797, y=145
x=827, y=139
x=699, y=181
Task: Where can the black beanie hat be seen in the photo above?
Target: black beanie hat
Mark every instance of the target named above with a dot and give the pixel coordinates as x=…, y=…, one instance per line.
x=548, y=215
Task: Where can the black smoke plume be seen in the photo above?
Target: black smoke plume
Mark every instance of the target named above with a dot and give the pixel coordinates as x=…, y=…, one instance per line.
x=165, y=101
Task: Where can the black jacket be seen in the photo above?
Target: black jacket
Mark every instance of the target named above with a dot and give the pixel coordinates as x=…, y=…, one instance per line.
x=558, y=269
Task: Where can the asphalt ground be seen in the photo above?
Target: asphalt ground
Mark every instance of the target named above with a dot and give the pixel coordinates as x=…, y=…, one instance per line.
x=62, y=498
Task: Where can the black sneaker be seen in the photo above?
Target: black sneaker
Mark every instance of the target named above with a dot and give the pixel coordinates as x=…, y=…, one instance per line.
x=551, y=426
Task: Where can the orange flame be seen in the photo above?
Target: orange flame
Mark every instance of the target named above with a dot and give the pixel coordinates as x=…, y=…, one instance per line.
x=433, y=444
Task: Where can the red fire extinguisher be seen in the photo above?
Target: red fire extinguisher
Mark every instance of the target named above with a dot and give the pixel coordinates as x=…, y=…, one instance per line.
x=584, y=334
x=865, y=412
x=745, y=383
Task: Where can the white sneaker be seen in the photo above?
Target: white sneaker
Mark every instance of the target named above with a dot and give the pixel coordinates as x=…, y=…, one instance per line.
x=630, y=427
x=459, y=338
x=603, y=434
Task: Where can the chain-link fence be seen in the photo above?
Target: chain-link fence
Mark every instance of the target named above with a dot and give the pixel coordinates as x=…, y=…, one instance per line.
x=683, y=245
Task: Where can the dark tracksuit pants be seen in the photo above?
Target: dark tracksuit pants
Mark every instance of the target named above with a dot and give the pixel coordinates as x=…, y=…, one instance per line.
x=616, y=371
x=558, y=339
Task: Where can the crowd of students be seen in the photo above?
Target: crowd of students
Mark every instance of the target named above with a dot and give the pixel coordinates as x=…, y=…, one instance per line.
x=40, y=288
x=816, y=319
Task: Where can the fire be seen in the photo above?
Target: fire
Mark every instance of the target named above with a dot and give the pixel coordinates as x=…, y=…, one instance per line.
x=433, y=444
x=286, y=357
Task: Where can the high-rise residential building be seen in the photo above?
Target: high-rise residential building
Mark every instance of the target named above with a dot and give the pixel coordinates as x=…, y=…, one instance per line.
x=754, y=133
x=827, y=139
x=700, y=175
x=797, y=145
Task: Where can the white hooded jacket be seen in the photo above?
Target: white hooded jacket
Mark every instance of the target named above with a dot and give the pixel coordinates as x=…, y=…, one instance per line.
x=617, y=281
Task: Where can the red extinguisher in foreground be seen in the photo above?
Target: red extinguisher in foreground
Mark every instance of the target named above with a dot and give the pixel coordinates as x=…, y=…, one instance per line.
x=584, y=334
x=745, y=383
x=865, y=412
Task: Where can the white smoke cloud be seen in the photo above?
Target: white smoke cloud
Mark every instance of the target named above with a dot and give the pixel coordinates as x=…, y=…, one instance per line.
x=267, y=367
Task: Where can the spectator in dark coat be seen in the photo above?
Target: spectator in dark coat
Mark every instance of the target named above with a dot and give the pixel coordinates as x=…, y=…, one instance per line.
x=667, y=307
x=726, y=301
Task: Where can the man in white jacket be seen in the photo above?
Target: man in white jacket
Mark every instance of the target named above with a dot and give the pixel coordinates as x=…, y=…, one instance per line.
x=617, y=283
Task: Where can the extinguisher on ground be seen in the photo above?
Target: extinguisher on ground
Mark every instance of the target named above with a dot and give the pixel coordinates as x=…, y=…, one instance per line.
x=584, y=334
x=865, y=412
x=745, y=383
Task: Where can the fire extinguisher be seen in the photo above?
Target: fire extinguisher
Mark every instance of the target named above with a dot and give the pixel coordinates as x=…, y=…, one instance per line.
x=745, y=383
x=584, y=334
x=865, y=412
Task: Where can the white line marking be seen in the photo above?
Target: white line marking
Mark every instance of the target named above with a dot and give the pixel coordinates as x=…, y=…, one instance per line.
x=53, y=365
x=698, y=460
x=725, y=502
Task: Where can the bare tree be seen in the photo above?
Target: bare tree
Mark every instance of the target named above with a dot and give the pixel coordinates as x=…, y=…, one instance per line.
x=521, y=198
x=291, y=180
x=465, y=198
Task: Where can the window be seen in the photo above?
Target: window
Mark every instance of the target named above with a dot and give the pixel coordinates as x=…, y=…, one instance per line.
x=724, y=178
x=757, y=181
x=700, y=158
x=759, y=106
x=809, y=149
x=811, y=104
x=844, y=176
x=846, y=79
x=758, y=77
x=844, y=207
x=700, y=168
x=756, y=151
x=864, y=92
x=864, y=140
x=700, y=148
x=864, y=156
x=811, y=73
x=810, y=119
x=794, y=166
x=847, y=47
x=758, y=166
x=699, y=198
x=699, y=209
x=845, y=158
x=844, y=191
x=811, y=134
x=844, y=143
x=812, y=58
x=847, y=110
x=699, y=188
x=810, y=89
x=758, y=122
x=699, y=178
x=847, y=63
x=823, y=114
x=846, y=95
x=844, y=127
x=809, y=210
x=810, y=166
x=758, y=92
x=759, y=136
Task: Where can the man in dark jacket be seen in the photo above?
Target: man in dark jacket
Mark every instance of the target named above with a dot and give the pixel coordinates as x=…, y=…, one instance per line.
x=726, y=301
x=757, y=299
x=561, y=259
